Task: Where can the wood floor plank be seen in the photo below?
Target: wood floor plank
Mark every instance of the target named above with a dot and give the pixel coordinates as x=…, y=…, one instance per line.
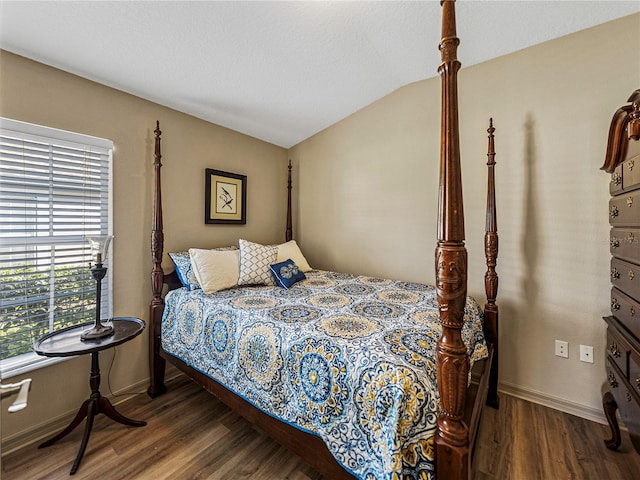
x=191, y=435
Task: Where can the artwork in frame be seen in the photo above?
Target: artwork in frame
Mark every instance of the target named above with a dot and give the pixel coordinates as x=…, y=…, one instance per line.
x=225, y=197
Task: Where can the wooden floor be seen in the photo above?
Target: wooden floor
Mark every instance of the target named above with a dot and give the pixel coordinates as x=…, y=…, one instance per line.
x=191, y=435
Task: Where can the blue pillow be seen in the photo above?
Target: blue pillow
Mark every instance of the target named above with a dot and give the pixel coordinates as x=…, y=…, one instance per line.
x=286, y=273
x=182, y=261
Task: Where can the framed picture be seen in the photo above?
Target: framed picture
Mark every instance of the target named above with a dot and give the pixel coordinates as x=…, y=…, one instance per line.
x=225, y=197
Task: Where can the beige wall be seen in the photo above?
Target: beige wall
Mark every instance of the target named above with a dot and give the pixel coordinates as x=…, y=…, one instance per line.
x=35, y=93
x=367, y=197
x=366, y=200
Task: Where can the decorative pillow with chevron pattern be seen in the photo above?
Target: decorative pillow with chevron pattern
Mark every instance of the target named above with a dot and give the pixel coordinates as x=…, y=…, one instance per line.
x=255, y=260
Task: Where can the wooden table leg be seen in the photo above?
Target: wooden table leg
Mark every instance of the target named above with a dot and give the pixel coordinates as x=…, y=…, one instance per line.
x=91, y=413
x=82, y=413
x=104, y=406
x=95, y=405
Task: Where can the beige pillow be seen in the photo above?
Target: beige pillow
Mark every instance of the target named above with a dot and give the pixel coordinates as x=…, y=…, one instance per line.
x=292, y=251
x=215, y=269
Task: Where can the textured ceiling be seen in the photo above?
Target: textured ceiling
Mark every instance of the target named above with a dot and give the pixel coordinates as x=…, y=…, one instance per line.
x=278, y=71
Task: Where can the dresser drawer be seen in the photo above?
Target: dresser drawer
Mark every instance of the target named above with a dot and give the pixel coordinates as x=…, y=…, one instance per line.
x=630, y=173
x=626, y=176
x=624, y=243
x=634, y=371
x=625, y=277
x=624, y=210
x=617, y=350
x=616, y=381
x=626, y=310
x=615, y=184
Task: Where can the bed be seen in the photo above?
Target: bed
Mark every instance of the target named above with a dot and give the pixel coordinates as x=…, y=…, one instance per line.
x=362, y=377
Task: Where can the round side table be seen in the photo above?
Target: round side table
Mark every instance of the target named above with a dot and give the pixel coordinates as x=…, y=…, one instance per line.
x=67, y=343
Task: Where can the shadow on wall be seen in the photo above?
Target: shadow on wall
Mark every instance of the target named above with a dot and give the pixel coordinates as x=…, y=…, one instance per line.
x=531, y=233
x=520, y=315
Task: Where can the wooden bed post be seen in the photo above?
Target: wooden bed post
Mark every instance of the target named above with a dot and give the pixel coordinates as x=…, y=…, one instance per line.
x=289, y=231
x=491, y=276
x=452, y=360
x=156, y=362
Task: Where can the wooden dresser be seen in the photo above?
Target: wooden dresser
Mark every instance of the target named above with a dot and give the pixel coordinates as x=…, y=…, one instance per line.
x=623, y=325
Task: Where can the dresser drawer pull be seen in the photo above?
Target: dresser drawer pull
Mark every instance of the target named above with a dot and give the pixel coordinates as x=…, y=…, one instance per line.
x=615, y=274
x=638, y=382
x=613, y=211
x=615, y=305
x=629, y=201
x=612, y=380
x=615, y=243
x=631, y=274
x=628, y=397
x=632, y=311
x=630, y=238
x=630, y=165
x=613, y=349
x=617, y=178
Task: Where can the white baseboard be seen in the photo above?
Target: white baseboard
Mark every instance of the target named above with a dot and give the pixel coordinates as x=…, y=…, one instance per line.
x=50, y=427
x=567, y=406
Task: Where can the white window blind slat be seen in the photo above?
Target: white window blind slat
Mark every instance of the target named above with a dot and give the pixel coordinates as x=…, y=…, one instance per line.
x=54, y=191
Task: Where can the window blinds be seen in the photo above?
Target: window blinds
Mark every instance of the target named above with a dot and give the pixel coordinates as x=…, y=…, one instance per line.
x=54, y=190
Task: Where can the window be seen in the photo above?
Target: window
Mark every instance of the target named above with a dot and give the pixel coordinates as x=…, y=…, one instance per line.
x=54, y=190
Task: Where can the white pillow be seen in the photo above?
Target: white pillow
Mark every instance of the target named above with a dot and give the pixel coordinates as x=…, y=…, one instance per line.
x=215, y=269
x=292, y=251
x=255, y=260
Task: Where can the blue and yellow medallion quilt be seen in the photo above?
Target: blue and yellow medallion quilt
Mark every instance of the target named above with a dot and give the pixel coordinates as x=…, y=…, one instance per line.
x=348, y=358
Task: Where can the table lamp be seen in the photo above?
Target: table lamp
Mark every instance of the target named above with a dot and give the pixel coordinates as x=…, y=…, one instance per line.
x=99, y=248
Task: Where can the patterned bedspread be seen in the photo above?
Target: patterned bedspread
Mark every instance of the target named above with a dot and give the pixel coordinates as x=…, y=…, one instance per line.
x=349, y=358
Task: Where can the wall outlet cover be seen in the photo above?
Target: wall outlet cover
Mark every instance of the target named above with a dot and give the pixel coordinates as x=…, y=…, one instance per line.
x=562, y=349
x=586, y=353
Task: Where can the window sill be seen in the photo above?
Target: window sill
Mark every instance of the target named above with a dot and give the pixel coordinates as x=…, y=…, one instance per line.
x=26, y=363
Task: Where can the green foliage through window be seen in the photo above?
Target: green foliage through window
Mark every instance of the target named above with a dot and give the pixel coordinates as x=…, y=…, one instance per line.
x=28, y=309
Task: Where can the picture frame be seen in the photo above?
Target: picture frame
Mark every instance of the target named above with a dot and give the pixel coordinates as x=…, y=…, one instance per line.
x=225, y=197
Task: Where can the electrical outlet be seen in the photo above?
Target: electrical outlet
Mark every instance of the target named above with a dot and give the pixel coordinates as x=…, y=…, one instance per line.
x=586, y=353
x=562, y=349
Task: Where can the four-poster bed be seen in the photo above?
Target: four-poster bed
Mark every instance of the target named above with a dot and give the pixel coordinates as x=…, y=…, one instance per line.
x=461, y=394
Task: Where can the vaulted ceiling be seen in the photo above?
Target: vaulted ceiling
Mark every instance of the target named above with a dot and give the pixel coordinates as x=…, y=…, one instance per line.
x=278, y=71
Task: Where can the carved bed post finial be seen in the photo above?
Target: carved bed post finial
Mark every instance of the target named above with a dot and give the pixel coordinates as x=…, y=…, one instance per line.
x=156, y=362
x=452, y=360
x=491, y=276
x=289, y=231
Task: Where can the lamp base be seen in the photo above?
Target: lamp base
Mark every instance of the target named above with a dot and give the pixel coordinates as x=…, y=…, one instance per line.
x=97, y=332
